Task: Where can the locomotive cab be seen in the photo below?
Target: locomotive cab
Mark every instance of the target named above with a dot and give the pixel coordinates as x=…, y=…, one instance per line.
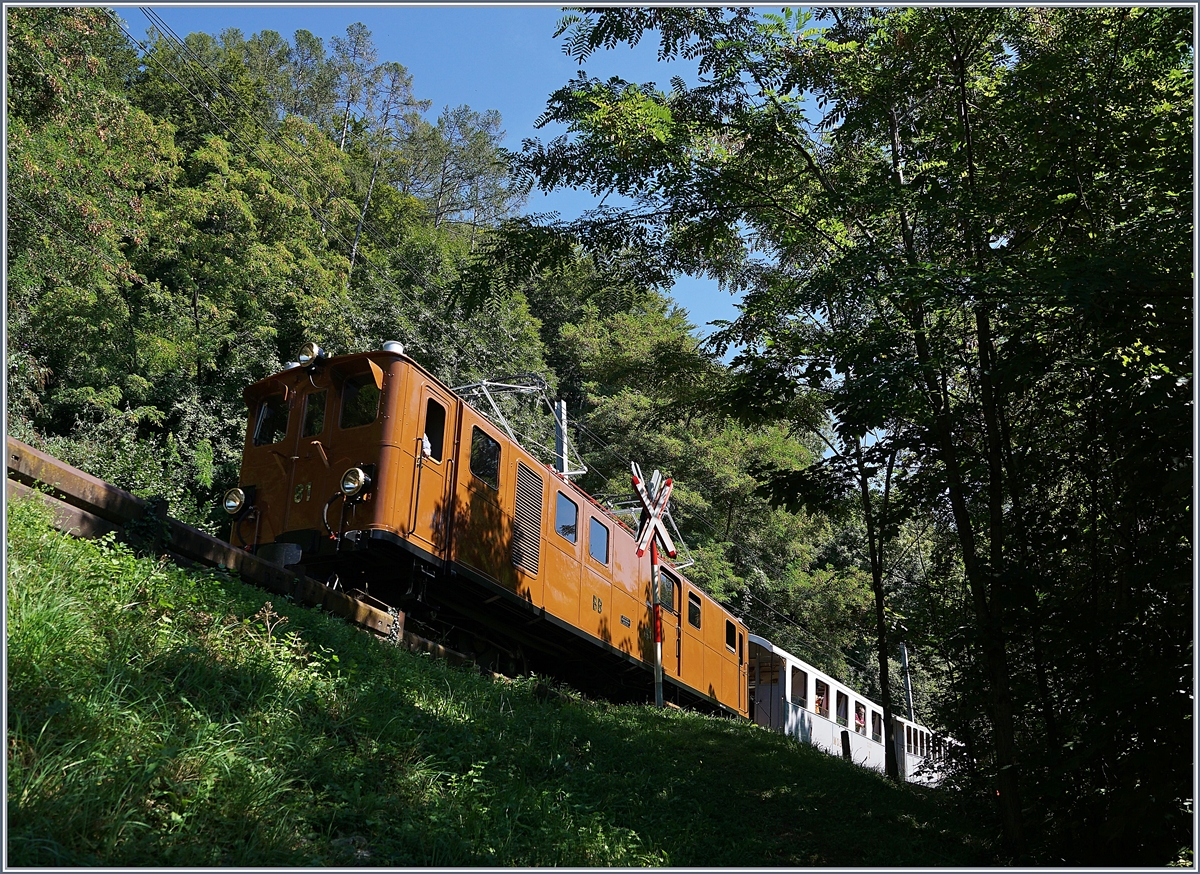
x=315, y=450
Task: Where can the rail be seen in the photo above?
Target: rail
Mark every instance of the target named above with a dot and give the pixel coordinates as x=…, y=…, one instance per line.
x=87, y=507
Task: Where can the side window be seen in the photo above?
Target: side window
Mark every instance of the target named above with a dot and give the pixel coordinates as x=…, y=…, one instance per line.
x=667, y=592
x=822, y=702
x=843, y=709
x=271, y=425
x=435, y=429
x=860, y=718
x=598, y=540
x=799, y=688
x=360, y=401
x=876, y=725
x=566, y=517
x=485, y=457
x=694, y=609
x=314, y=414
x=730, y=636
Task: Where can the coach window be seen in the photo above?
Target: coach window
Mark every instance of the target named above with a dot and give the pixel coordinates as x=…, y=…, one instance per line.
x=799, y=687
x=566, y=517
x=694, y=609
x=876, y=726
x=822, y=702
x=360, y=401
x=314, y=414
x=730, y=636
x=598, y=540
x=435, y=428
x=860, y=718
x=843, y=709
x=485, y=457
x=272, y=420
x=908, y=734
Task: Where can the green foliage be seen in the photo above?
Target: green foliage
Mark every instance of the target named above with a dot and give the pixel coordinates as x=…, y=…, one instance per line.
x=164, y=717
x=189, y=217
x=968, y=232
x=188, y=230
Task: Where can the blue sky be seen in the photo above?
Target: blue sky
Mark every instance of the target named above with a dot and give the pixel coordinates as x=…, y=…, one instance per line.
x=488, y=57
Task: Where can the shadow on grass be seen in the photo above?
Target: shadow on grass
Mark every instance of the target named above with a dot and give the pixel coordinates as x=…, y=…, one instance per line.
x=213, y=734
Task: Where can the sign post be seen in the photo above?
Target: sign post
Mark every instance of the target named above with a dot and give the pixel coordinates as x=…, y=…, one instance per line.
x=651, y=532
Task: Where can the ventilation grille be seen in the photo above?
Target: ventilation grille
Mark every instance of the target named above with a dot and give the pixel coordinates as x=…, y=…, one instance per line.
x=527, y=522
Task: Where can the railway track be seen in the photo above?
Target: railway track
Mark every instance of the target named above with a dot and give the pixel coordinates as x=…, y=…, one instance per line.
x=87, y=507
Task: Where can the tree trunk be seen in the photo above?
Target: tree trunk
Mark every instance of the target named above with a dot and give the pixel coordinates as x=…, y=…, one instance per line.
x=875, y=540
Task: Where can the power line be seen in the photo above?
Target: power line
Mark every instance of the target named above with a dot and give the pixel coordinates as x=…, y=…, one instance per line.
x=828, y=646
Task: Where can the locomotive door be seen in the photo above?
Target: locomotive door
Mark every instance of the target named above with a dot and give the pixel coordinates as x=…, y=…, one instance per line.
x=430, y=447
x=669, y=593
x=309, y=479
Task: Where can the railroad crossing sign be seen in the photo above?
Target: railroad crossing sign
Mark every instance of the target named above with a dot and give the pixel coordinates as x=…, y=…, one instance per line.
x=654, y=496
x=652, y=533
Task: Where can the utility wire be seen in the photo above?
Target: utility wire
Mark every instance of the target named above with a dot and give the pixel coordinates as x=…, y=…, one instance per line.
x=828, y=646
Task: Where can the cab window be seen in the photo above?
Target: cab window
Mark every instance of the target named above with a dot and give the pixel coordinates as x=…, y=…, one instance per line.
x=485, y=457
x=314, y=414
x=566, y=517
x=435, y=429
x=360, y=401
x=730, y=636
x=271, y=425
x=598, y=540
x=693, y=609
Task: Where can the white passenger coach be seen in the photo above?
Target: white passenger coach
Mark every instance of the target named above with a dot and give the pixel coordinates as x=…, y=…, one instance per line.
x=791, y=696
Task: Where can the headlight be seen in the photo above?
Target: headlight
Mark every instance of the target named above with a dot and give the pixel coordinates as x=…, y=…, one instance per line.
x=234, y=501
x=309, y=353
x=354, y=481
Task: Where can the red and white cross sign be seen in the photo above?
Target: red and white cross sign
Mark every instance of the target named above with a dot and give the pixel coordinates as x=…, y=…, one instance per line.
x=653, y=506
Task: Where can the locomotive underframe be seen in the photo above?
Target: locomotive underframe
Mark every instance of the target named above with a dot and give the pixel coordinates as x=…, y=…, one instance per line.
x=481, y=618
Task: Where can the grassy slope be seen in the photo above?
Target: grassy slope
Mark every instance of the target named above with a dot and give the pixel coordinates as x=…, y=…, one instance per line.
x=157, y=716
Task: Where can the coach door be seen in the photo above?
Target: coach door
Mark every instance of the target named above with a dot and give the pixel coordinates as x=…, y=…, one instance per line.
x=669, y=593
x=430, y=447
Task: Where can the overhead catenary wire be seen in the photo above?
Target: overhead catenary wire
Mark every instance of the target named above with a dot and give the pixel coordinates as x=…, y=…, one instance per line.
x=813, y=637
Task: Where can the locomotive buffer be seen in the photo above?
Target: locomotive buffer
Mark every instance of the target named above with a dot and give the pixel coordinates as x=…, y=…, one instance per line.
x=651, y=532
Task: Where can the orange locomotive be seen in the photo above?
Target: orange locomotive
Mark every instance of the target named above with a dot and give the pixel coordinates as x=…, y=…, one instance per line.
x=368, y=467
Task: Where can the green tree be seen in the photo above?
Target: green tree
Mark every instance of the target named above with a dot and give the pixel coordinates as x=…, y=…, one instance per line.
x=354, y=59
x=922, y=206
